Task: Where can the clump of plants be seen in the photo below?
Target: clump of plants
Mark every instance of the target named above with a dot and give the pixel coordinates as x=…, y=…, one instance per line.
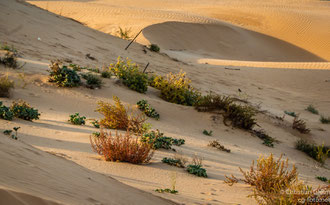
x=208, y=133
x=123, y=148
x=124, y=33
x=9, y=60
x=176, y=88
x=216, y=144
x=213, y=103
x=312, y=109
x=118, y=117
x=76, y=119
x=174, y=162
x=319, y=153
x=196, y=167
x=324, y=179
x=6, y=47
x=92, y=81
x=5, y=86
x=154, y=48
x=145, y=107
x=62, y=75
x=5, y=112
x=23, y=110
x=261, y=134
x=76, y=67
x=158, y=140
x=106, y=74
x=96, y=123
x=292, y=114
x=300, y=125
x=9, y=132
x=167, y=190
x=94, y=70
x=130, y=74
x=325, y=120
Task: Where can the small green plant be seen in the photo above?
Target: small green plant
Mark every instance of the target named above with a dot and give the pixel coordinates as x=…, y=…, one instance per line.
x=7, y=132
x=171, y=191
x=158, y=140
x=76, y=67
x=261, y=134
x=145, y=107
x=76, y=119
x=292, y=114
x=94, y=70
x=106, y=74
x=9, y=60
x=124, y=33
x=62, y=75
x=312, y=109
x=23, y=110
x=5, y=112
x=324, y=179
x=6, y=47
x=154, y=48
x=325, y=120
x=196, y=170
x=319, y=153
x=130, y=74
x=5, y=86
x=92, y=81
x=173, y=162
x=96, y=123
x=300, y=125
x=96, y=134
x=216, y=144
x=208, y=133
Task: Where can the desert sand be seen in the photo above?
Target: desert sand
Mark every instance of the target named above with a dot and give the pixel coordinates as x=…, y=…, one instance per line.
x=280, y=50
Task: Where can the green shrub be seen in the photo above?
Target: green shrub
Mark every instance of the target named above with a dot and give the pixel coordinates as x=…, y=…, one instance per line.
x=62, y=75
x=5, y=86
x=76, y=119
x=208, y=133
x=23, y=110
x=76, y=67
x=261, y=134
x=145, y=107
x=325, y=120
x=96, y=123
x=158, y=140
x=176, y=88
x=292, y=114
x=7, y=132
x=9, y=60
x=94, y=70
x=312, y=109
x=130, y=74
x=5, y=112
x=92, y=81
x=319, y=153
x=173, y=162
x=196, y=170
x=154, y=48
x=324, y=179
x=106, y=74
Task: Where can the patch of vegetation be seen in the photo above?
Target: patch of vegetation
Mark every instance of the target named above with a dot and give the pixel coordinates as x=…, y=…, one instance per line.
x=145, y=107
x=174, y=162
x=62, y=75
x=124, y=33
x=176, y=88
x=213, y=102
x=158, y=140
x=216, y=144
x=196, y=170
x=6, y=47
x=171, y=191
x=292, y=114
x=92, y=81
x=106, y=74
x=5, y=112
x=121, y=148
x=76, y=67
x=96, y=123
x=76, y=119
x=325, y=120
x=208, y=133
x=312, y=109
x=9, y=132
x=261, y=134
x=319, y=153
x=94, y=70
x=23, y=110
x=96, y=134
x=9, y=60
x=154, y=48
x=300, y=125
x=5, y=86
x=324, y=179
x=118, y=117
x=130, y=74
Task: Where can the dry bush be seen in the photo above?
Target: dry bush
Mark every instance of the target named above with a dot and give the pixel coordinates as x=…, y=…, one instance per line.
x=118, y=117
x=5, y=86
x=216, y=144
x=300, y=125
x=9, y=59
x=121, y=148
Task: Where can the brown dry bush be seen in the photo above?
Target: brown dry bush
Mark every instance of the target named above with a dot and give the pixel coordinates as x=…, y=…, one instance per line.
x=121, y=148
x=300, y=125
x=118, y=117
x=5, y=86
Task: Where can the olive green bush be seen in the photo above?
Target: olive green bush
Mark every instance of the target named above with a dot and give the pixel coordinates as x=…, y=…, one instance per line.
x=145, y=107
x=62, y=75
x=23, y=110
x=76, y=119
x=5, y=112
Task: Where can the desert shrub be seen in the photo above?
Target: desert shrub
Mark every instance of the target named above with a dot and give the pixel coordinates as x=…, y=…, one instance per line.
x=76, y=67
x=196, y=170
x=208, y=133
x=92, y=81
x=96, y=123
x=176, y=88
x=124, y=33
x=23, y=110
x=324, y=179
x=62, y=75
x=5, y=86
x=158, y=140
x=106, y=74
x=9, y=60
x=213, y=102
x=325, y=120
x=118, y=117
x=216, y=144
x=76, y=119
x=145, y=107
x=154, y=48
x=312, y=109
x=94, y=70
x=319, y=153
x=300, y=125
x=174, y=162
x=292, y=114
x=261, y=134
x=5, y=112
x=7, y=132
x=130, y=74
x=121, y=148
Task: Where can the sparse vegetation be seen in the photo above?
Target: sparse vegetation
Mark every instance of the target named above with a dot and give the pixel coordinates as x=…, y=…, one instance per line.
x=76, y=119
x=312, y=109
x=5, y=112
x=216, y=144
x=324, y=179
x=106, y=74
x=6, y=47
x=261, y=134
x=124, y=33
x=94, y=70
x=158, y=140
x=325, y=120
x=121, y=148
x=300, y=125
x=197, y=170
x=174, y=162
x=5, y=86
x=92, y=81
x=171, y=191
x=9, y=59
x=96, y=123
x=130, y=74
x=23, y=110
x=145, y=107
x=118, y=117
x=154, y=48
x=62, y=75
x=9, y=132
x=319, y=153
x=76, y=67
x=292, y=114
x=208, y=133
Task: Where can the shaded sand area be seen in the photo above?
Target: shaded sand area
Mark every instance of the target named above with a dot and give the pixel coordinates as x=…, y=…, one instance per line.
x=52, y=161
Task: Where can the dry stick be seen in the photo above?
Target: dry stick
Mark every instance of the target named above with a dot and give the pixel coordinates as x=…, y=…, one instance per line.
x=232, y=68
x=133, y=40
x=146, y=67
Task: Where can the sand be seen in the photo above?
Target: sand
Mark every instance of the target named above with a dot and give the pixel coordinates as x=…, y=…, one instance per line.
x=52, y=161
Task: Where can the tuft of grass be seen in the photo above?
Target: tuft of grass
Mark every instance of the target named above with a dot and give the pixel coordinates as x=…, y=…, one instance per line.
x=154, y=48
x=5, y=86
x=312, y=109
x=9, y=132
x=63, y=76
x=208, y=133
x=23, y=110
x=300, y=125
x=5, y=112
x=96, y=123
x=324, y=179
x=216, y=144
x=76, y=119
x=319, y=153
x=92, y=81
x=261, y=134
x=325, y=120
x=106, y=74
x=145, y=107
x=158, y=140
x=292, y=114
x=121, y=148
x=125, y=34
